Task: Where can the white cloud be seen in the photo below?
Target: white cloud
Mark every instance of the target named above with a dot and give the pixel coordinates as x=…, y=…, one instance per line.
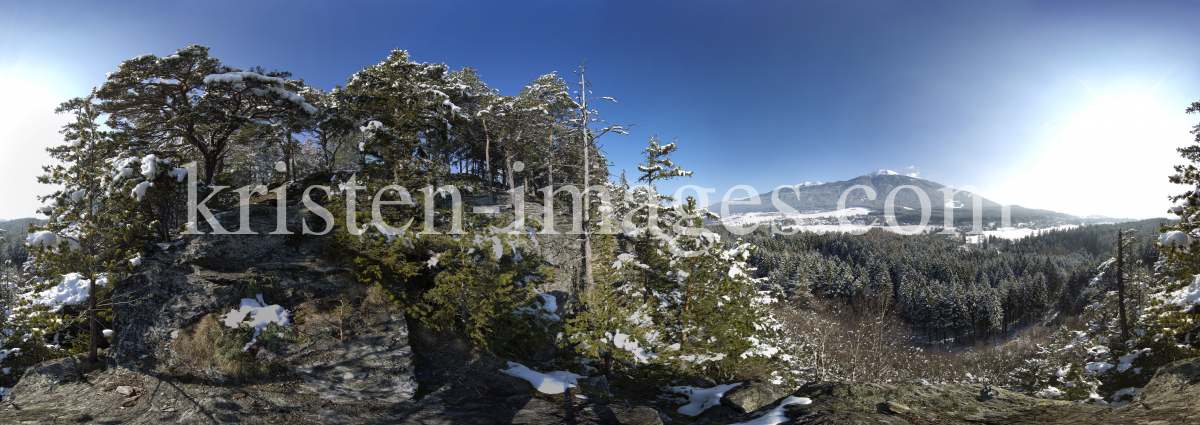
x=913, y=175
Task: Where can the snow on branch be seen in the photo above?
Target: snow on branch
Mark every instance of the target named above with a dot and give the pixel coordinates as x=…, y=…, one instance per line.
x=71, y=291
x=237, y=77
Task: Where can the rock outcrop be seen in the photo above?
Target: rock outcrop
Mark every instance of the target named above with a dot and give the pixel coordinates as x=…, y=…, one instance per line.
x=331, y=375
x=751, y=395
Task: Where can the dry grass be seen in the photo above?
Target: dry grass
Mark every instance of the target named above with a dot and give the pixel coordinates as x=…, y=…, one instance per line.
x=375, y=299
x=209, y=344
x=871, y=345
x=196, y=344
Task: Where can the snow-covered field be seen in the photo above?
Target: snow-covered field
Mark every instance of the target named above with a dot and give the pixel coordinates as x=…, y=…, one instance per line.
x=1018, y=233
x=766, y=217
x=828, y=222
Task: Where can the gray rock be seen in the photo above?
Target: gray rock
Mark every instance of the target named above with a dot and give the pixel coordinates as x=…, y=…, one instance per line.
x=894, y=407
x=719, y=414
x=639, y=415
x=751, y=395
x=206, y=273
x=702, y=382
x=62, y=391
x=597, y=384
x=376, y=365
x=1172, y=385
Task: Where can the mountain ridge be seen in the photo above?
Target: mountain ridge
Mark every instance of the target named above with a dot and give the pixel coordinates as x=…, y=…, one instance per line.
x=820, y=198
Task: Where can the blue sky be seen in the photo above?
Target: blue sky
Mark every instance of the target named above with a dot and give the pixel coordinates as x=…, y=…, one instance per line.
x=1070, y=106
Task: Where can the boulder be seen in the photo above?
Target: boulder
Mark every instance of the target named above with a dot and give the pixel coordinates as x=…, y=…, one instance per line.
x=1172, y=385
x=701, y=381
x=752, y=395
x=637, y=415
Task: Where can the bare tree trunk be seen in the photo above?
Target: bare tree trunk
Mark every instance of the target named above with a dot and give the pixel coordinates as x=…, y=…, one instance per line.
x=289, y=159
x=92, y=319
x=1121, y=285
x=508, y=178
x=550, y=167
x=487, y=160
x=587, y=171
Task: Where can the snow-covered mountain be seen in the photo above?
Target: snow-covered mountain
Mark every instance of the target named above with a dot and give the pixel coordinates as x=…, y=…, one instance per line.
x=821, y=199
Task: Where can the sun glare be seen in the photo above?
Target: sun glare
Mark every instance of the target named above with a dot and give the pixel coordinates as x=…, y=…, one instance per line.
x=1111, y=158
x=28, y=126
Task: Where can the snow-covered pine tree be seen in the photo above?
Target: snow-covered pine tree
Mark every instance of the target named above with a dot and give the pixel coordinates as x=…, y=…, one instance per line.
x=404, y=108
x=469, y=138
x=658, y=164
x=710, y=308
x=613, y=319
x=478, y=279
x=98, y=221
x=524, y=125
x=331, y=128
x=190, y=106
x=692, y=296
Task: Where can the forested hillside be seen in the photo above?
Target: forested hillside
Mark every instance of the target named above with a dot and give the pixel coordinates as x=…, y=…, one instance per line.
x=943, y=289
x=11, y=247
x=1099, y=240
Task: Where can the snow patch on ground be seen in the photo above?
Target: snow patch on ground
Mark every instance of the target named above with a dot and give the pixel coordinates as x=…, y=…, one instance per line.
x=700, y=399
x=1049, y=392
x=1131, y=392
x=9, y=352
x=777, y=415
x=1098, y=367
x=548, y=306
x=641, y=355
x=547, y=383
x=260, y=314
x=1018, y=233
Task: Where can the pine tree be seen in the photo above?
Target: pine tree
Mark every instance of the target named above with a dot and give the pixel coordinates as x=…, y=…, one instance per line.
x=679, y=295
x=190, y=105
x=658, y=164
x=405, y=108
x=98, y=221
